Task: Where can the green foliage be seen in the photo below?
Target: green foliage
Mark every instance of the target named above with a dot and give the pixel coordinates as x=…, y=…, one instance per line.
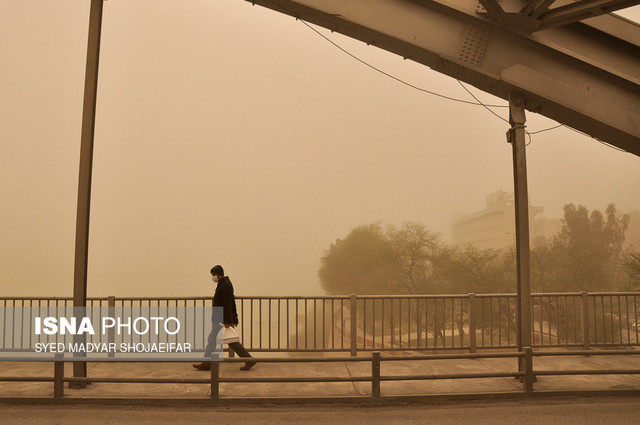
x=414, y=250
x=543, y=264
x=584, y=255
x=359, y=263
x=630, y=265
x=470, y=269
x=411, y=260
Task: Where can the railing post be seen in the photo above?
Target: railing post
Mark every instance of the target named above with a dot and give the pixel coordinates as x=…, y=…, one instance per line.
x=111, y=308
x=58, y=377
x=375, y=374
x=215, y=380
x=529, y=377
x=472, y=323
x=353, y=312
x=585, y=322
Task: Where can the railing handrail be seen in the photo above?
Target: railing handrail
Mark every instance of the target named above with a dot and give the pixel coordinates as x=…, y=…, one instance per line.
x=333, y=296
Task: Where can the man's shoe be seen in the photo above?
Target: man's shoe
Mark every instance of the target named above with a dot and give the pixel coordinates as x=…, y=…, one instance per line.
x=202, y=366
x=248, y=365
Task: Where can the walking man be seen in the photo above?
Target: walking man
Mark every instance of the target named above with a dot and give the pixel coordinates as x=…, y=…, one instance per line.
x=224, y=298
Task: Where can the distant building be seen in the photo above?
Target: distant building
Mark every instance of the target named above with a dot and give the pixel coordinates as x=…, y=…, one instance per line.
x=632, y=237
x=494, y=227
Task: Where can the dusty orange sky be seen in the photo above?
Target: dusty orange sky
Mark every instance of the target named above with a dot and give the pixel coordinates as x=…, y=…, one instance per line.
x=230, y=134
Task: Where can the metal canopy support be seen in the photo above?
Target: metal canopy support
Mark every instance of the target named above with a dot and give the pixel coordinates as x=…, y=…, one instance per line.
x=579, y=10
x=535, y=15
x=495, y=11
x=585, y=75
x=516, y=137
x=86, y=165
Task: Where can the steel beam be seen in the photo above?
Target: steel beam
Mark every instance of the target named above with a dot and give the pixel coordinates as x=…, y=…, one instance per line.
x=494, y=10
x=581, y=75
x=540, y=8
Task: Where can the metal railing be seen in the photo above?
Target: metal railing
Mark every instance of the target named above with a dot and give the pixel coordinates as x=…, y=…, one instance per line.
x=370, y=323
x=215, y=379
x=523, y=369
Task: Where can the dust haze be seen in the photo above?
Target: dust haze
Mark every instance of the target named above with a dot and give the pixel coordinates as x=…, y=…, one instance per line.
x=230, y=134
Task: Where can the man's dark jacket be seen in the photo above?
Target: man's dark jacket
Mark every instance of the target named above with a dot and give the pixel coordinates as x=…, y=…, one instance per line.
x=224, y=298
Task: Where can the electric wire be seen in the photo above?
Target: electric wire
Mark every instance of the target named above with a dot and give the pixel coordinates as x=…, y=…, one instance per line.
x=413, y=86
x=595, y=138
x=477, y=102
x=480, y=103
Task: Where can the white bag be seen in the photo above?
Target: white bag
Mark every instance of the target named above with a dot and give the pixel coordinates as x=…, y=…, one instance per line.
x=230, y=335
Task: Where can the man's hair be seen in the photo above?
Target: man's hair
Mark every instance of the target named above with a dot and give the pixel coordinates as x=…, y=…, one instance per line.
x=217, y=270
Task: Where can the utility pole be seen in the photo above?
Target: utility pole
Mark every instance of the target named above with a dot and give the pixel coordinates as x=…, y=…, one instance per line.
x=516, y=136
x=86, y=166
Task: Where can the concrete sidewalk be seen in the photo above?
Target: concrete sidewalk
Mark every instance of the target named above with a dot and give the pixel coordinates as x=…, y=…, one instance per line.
x=359, y=390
